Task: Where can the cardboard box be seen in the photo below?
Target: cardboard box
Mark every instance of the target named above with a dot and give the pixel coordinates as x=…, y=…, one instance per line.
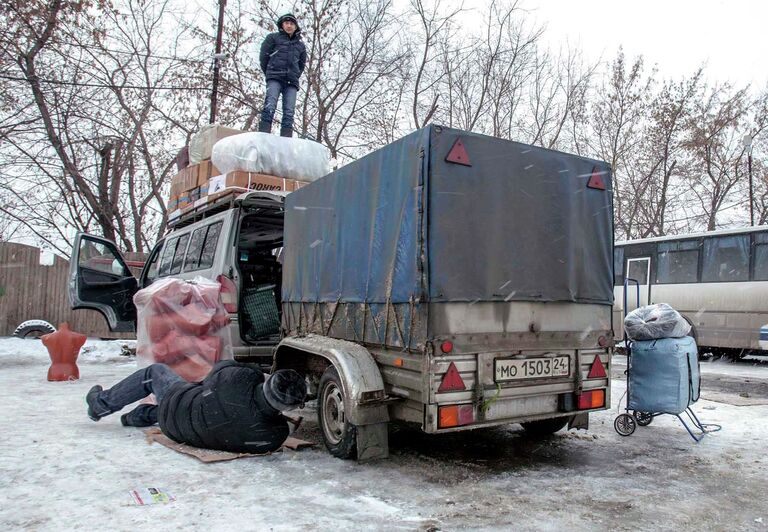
x=185, y=180
x=206, y=170
x=251, y=181
x=201, y=143
x=198, y=193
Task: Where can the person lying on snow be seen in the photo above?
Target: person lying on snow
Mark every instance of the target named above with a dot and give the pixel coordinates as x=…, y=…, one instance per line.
x=235, y=408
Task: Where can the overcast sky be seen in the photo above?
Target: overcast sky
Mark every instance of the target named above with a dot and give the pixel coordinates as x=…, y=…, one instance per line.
x=677, y=35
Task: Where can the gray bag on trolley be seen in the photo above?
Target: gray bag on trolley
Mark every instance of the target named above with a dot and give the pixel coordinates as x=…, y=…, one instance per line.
x=664, y=375
x=655, y=321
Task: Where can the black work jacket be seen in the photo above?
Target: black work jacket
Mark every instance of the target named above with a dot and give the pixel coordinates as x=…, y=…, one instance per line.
x=283, y=57
x=226, y=411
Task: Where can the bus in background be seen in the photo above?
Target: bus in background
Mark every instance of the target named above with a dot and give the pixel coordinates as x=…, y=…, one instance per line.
x=717, y=280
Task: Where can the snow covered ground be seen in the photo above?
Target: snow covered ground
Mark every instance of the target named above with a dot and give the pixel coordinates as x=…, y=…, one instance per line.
x=59, y=470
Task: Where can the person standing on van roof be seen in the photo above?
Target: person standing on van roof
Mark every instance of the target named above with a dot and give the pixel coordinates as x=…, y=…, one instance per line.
x=233, y=409
x=282, y=59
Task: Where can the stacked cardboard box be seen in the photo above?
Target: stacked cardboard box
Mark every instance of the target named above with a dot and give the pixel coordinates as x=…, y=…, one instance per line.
x=191, y=184
x=198, y=183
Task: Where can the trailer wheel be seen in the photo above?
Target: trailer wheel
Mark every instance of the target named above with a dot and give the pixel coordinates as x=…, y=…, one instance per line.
x=624, y=424
x=545, y=427
x=33, y=329
x=339, y=435
x=643, y=418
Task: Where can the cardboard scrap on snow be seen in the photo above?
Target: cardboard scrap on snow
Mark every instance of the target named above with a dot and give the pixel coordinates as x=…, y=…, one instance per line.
x=208, y=455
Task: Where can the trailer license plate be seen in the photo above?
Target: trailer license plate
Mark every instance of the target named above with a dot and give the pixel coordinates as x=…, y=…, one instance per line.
x=511, y=369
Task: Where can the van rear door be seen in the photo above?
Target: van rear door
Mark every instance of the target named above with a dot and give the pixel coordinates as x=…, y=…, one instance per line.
x=99, y=279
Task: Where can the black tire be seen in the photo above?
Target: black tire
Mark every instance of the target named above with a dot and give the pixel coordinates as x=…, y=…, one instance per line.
x=339, y=435
x=545, y=427
x=33, y=329
x=624, y=424
x=643, y=418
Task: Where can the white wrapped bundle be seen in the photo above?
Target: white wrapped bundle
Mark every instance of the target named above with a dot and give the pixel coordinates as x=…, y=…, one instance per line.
x=263, y=153
x=654, y=322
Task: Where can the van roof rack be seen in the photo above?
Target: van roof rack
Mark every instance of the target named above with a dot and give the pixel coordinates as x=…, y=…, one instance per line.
x=225, y=200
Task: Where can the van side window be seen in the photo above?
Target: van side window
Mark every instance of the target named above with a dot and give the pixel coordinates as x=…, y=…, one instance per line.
x=209, y=247
x=153, y=265
x=192, y=260
x=178, y=257
x=726, y=258
x=167, y=257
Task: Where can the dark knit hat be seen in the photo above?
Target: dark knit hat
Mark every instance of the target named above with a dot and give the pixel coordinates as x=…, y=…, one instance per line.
x=285, y=389
x=287, y=16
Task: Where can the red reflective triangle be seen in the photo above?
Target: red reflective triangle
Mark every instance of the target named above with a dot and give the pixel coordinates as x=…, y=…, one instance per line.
x=452, y=381
x=597, y=371
x=596, y=180
x=458, y=154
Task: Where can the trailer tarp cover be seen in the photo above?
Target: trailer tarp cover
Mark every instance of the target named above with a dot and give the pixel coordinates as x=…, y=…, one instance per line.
x=519, y=223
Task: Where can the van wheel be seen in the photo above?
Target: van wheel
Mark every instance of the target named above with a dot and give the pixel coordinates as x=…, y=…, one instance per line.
x=338, y=433
x=545, y=427
x=33, y=329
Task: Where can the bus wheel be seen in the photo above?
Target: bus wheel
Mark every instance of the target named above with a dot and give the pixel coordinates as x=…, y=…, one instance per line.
x=544, y=427
x=339, y=435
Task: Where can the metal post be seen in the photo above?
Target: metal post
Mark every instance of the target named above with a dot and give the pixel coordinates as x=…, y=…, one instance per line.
x=216, y=59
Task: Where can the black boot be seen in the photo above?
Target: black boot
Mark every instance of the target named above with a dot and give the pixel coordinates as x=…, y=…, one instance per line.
x=142, y=416
x=95, y=412
x=286, y=131
x=265, y=127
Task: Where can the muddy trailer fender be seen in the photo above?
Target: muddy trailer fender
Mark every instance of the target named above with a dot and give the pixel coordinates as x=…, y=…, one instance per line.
x=364, y=399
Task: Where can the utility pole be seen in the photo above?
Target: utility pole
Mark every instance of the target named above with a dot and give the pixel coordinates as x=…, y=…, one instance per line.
x=217, y=56
x=747, y=142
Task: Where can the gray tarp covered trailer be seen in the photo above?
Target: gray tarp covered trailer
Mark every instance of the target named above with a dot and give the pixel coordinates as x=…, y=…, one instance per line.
x=452, y=249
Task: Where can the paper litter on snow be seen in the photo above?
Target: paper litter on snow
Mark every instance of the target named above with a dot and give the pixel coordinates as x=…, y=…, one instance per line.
x=148, y=496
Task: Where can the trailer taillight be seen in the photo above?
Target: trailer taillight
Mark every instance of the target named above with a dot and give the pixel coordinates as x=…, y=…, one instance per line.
x=228, y=293
x=446, y=347
x=591, y=399
x=455, y=416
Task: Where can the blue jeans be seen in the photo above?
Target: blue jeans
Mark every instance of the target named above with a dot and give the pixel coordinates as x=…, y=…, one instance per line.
x=274, y=90
x=155, y=379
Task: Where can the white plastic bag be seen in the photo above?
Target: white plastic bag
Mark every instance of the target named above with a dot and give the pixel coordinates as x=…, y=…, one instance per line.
x=264, y=153
x=654, y=322
x=182, y=324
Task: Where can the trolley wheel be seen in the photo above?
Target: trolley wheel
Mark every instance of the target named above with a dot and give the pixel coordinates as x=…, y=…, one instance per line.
x=643, y=418
x=624, y=424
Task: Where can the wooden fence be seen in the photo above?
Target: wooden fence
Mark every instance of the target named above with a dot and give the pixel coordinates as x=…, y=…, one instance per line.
x=29, y=290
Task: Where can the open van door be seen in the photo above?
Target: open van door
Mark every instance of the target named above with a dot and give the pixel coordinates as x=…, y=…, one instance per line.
x=99, y=279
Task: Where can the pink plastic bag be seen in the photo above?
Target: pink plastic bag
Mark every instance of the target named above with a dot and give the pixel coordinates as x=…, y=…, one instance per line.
x=182, y=324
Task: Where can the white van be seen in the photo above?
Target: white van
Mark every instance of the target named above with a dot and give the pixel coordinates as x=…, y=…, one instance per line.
x=236, y=241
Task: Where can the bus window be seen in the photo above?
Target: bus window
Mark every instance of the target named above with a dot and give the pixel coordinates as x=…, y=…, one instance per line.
x=618, y=266
x=637, y=269
x=761, y=257
x=678, y=262
x=726, y=258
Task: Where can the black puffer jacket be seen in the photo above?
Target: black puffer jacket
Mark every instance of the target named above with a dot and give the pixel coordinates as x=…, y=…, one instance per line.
x=283, y=57
x=226, y=412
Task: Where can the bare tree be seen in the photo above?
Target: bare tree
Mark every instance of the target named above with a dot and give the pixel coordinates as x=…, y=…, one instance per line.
x=618, y=121
x=85, y=143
